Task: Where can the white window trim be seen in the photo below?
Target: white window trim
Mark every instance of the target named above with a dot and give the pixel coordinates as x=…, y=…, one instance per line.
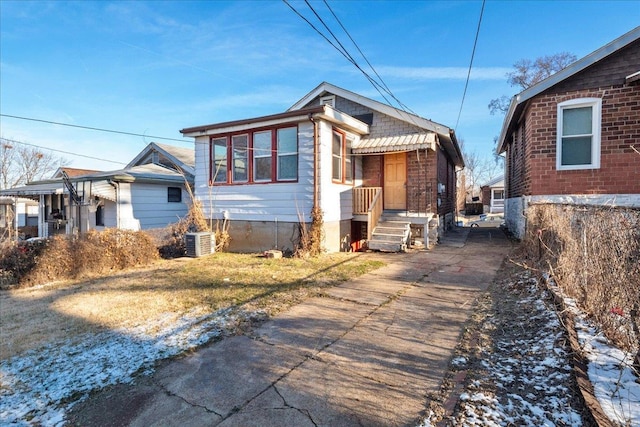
x=596, y=112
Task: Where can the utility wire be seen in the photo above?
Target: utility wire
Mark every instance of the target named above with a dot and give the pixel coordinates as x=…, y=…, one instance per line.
x=466, y=84
x=92, y=128
x=386, y=88
x=61, y=151
x=345, y=53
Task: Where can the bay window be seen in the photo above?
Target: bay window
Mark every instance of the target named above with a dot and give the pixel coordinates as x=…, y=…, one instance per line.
x=256, y=157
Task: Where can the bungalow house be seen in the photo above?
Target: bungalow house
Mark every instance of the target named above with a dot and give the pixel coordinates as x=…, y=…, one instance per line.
x=150, y=192
x=375, y=172
x=492, y=195
x=571, y=137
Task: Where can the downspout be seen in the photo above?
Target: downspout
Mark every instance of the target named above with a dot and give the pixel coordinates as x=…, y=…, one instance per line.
x=315, y=161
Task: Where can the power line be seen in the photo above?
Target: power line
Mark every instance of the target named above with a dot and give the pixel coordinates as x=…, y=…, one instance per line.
x=342, y=50
x=466, y=84
x=92, y=128
x=61, y=151
x=386, y=88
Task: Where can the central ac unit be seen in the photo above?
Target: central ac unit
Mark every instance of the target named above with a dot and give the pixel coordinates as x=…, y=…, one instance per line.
x=199, y=244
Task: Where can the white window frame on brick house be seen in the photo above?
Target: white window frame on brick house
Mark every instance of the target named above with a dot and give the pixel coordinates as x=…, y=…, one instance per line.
x=564, y=135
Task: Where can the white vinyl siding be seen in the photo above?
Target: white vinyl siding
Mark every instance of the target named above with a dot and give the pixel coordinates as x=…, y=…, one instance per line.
x=578, y=134
x=286, y=202
x=150, y=208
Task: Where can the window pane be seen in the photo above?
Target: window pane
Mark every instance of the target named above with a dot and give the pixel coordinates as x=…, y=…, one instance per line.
x=337, y=169
x=240, y=158
x=288, y=167
x=336, y=150
x=262, y=144
x=219, y=160
x=262, y=170
x=174, y=194
x=576, y=121
x=337, y=144
x=348, y=172
x=576, y=151
x=288, y=140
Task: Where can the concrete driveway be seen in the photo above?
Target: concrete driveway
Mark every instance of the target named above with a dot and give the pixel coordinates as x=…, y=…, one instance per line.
x=369, y=352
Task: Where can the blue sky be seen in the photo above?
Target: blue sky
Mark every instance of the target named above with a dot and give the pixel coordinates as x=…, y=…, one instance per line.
x=153, y=68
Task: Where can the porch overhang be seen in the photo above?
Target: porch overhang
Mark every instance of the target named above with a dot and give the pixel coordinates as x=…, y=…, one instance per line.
x=387, y=144
x=34, y=190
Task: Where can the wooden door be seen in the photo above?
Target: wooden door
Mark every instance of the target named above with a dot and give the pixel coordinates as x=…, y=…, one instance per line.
x=395, y=181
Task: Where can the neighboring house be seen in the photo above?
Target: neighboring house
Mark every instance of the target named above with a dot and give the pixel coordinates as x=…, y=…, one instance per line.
x=571, y=137
x=150, y=192
x=354, y=158
x=492, y=194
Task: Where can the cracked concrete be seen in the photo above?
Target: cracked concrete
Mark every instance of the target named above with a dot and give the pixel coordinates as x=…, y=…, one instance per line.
x=369, y=352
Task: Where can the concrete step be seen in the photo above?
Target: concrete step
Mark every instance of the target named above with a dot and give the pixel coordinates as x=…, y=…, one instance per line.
x=390, y=236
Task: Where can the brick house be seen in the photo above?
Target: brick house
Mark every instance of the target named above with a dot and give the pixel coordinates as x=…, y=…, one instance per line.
x=570, y=138
x=492, y=195
x=363, y=163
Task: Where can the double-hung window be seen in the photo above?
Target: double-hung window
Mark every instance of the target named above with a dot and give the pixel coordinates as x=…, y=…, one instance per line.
x=240, y=144
x=262, y=156
x=578, y=134
x=218, y=153
x=341, y=165
x=287, y=146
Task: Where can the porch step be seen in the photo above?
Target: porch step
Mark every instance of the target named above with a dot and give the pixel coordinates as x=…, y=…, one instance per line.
x=390, y=236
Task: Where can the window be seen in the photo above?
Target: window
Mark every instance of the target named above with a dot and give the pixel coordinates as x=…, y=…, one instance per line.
x=287, y=147
x=218, y=171
x=337, y=153
x=341, y=166
x=174, y=194
x=578, y=134
x=240, y=158
x=262, y=156
x=498, y=194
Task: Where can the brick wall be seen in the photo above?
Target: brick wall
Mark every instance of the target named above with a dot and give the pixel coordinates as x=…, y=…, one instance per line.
x=619, y=171
x=372, y=167
x=421, y=181
x=531, y=152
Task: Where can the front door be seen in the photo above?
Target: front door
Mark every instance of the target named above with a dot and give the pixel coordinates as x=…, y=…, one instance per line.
x=395, y=181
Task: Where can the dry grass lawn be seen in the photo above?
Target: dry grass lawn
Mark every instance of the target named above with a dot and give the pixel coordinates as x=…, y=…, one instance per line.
x=33, y=317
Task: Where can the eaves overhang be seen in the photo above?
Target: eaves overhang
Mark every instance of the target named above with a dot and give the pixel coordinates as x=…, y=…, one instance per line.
x=252, y=123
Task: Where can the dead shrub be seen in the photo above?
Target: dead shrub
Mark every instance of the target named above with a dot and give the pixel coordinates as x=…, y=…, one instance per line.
x=594, y=255
x=309, y=241
x=61, y=257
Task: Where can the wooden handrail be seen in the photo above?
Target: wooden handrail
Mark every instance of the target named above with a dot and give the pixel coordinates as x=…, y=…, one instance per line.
x=363, y=198
x=374, y=213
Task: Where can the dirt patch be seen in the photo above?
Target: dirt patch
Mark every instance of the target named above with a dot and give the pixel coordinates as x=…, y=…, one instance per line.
x=513, y=364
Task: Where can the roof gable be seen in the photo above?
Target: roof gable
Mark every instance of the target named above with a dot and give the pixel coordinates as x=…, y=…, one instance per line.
x=169, y=156
x=324, y=88
x=446, y=136
x=518, y=101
